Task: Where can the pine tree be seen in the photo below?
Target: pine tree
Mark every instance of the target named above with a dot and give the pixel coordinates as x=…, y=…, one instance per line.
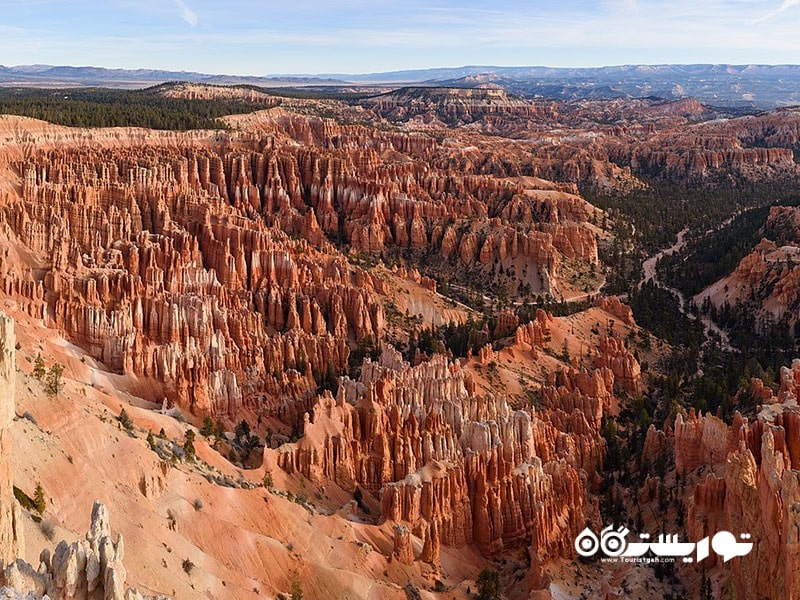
x=488, y=585
x=242, y=430
x=38, y=368
x=53, y=382
x=188, y=445
x=208, y=427
x=38, y=499
x=125, y=419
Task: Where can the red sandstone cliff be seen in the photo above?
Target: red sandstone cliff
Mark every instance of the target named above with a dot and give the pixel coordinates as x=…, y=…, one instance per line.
x=752, y=487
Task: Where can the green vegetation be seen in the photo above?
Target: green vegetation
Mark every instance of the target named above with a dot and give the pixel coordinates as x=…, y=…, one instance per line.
x=488, y=585
x=657, y=310
x=717, y=254
x=646, y=220
x=297, y=588
x=188, y=445
x=53, y=383
x=24, y=500
x=242, y=430
x=39, y=501
x=366, y=348
x=39, y=370
x=208, y=428
x=187, y=566
x=97, y=107
x=125, y=420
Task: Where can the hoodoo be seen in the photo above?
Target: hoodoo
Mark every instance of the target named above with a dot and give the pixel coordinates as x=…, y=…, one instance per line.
x=10, y=527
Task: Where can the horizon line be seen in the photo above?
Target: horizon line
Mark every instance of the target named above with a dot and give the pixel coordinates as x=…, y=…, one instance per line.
x=404, y=70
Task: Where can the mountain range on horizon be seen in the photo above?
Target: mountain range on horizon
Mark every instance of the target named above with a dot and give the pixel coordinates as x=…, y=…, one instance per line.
x=754, y=86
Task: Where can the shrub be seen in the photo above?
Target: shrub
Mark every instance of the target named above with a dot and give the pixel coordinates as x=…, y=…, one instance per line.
x=188, y=566
x=488, y=585
x=208, y=428
x=412, y=592
x=297, y=588
x=125, y=420
x=198, y=504
x=242, y=430
x=48, y=529
x=23, y=499
x=268, y=483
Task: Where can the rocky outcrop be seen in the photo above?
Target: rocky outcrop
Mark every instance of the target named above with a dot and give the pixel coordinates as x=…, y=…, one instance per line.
x=153, y=276
x=10, y=525
x=197, y=91
x=749, y=485
x=613, y=355
x=453, y=466
x=205, y=266
x=454, y=106
x=535, y=333
x=766, y=282
x=699, y=440
x=613, y=306
x=507, y=323
x=91, y=569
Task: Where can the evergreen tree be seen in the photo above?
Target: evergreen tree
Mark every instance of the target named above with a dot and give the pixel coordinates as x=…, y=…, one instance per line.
x=242, y=430
x=188, y=445
x=125, y=420
x=53, y=382
x=208, y=427
x=38, y=368
x=488, y=585
x=39, y=501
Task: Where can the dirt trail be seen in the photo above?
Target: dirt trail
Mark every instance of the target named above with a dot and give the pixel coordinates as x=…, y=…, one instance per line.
x=650, y=273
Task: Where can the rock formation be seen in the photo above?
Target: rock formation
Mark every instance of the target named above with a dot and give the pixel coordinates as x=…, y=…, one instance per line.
x=205, y=267
x=10, y=525
x=85, y=570
x=613, y=355
x=450, y=465
x=751, y=487
x=766, y=282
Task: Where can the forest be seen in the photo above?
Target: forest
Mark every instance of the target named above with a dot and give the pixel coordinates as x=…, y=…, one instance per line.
x=96, y=107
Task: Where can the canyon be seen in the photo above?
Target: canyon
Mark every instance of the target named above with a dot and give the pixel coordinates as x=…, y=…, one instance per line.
x=364, y=348
x=767, y=280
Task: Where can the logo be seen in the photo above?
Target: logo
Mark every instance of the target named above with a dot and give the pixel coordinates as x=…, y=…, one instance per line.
x=614, y=545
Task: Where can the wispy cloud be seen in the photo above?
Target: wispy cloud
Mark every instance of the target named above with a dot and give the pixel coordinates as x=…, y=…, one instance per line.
x=187, y=14
x=785, y=5
x=371, y=35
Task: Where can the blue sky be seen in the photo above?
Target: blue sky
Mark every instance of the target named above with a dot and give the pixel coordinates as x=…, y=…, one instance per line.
x=356, y=36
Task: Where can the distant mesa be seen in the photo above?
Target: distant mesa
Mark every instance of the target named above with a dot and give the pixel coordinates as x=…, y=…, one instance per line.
x=743, y=86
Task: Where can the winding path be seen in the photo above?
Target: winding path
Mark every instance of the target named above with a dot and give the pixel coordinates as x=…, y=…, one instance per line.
x=650, y=273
